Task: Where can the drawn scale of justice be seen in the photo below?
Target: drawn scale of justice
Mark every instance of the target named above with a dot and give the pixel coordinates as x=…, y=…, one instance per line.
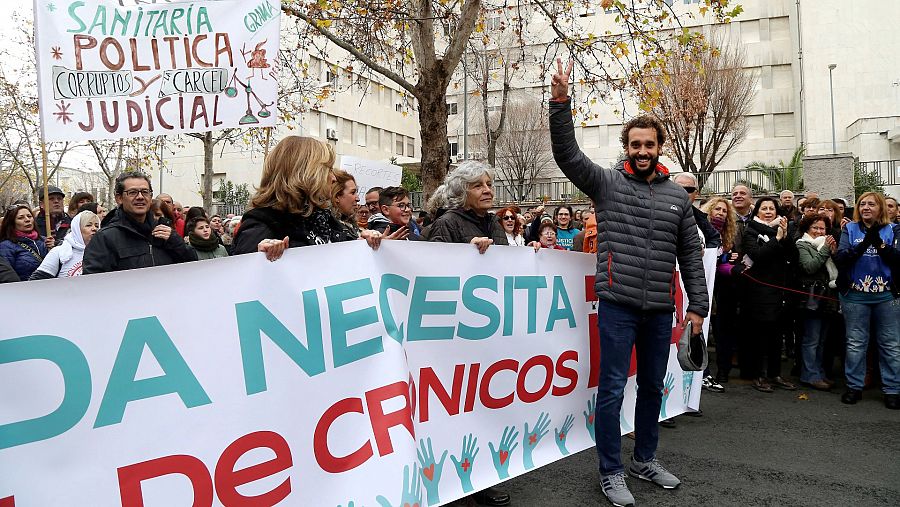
x=257, y=61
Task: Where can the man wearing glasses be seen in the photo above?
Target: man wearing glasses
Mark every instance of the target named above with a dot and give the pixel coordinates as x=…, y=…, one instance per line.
x=132, y=239
x=395, y=214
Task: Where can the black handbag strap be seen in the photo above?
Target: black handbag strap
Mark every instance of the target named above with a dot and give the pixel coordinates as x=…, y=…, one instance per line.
x=31, y=250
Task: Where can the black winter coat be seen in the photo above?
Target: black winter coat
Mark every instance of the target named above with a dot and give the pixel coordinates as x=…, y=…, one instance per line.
x=642, y=228
x=7, y=273
x=460, y=226
x=761, y=300
x=268, y=223
x=122, y=244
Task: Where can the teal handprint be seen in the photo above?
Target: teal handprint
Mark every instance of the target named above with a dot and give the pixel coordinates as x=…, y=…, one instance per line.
x=412, y=489
x=466, y=461
x=431, y=471
x=349, y=504
x=561, y=434
x=504, y=451
x=666, y=391
x=589, y=416
x=688, y=381
x=533, y=438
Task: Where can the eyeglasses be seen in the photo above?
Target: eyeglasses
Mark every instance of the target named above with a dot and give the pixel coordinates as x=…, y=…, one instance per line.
x=509, y=217
x=132, y=193
x=690, y=190
x=403, y=205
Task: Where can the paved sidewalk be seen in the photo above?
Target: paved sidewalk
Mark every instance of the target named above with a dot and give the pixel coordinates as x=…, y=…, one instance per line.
x=750, y=449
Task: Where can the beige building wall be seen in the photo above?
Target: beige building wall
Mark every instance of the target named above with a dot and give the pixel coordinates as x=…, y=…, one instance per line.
x=858, y=36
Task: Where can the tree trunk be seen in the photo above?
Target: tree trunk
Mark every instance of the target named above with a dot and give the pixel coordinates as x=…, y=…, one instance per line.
x=492, y=149
x=110, y=190
x=433, y=129
x=206, y=181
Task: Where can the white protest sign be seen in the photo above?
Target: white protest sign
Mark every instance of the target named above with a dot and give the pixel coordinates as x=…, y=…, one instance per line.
x=371, y=173
x=413, y=374
x=109, y=71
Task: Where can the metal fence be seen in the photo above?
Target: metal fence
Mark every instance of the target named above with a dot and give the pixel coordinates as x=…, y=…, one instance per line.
x=887, y=170
x=222, y=209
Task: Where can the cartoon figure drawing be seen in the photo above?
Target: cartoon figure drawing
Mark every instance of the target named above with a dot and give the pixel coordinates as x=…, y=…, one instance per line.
x=257, y=60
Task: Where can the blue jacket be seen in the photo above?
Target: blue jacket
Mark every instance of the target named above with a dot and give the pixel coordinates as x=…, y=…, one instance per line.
x=867, y=268
x=23, y=260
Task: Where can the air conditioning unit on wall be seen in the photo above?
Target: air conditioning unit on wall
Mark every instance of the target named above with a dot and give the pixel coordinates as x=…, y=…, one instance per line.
x=331, y=134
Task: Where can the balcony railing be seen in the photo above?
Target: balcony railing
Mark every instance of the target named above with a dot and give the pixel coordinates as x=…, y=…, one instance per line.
x=887, y=170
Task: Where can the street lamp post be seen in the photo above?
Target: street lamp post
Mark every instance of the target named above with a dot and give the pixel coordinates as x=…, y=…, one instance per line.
x=831, y=68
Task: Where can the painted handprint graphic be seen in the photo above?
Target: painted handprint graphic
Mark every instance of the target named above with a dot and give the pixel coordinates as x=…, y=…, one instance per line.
x=466, y=461
x=411, y=495
x=666, y=391
x=430, y=471
x=589, y=416
x=562, y=433
x=504, y=450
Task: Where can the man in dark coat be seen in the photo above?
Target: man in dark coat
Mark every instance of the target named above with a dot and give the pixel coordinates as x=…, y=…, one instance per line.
x=645, y=223
x=132, y=239
x=60, y=222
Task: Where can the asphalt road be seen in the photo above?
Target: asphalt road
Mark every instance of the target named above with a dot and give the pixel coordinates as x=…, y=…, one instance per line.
x=750, y=449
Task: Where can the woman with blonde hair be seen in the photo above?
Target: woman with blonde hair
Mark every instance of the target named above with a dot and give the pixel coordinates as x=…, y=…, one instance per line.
x=292, y=204
x=867, y=259
x=721, y=217
x=724, y=319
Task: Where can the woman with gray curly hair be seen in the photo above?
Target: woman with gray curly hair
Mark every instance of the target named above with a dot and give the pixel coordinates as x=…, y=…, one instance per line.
x=468, y=195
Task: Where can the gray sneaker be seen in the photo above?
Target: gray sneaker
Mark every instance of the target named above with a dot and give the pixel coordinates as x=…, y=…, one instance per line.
x=616, y=490
x=654, y=472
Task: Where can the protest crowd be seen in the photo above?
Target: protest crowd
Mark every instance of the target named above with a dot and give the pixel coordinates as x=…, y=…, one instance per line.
x=804, y=288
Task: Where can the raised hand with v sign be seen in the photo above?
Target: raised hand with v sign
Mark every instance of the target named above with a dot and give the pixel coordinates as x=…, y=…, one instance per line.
x=559, y=82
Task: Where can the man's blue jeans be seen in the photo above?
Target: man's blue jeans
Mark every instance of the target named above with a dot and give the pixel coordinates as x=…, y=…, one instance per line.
x=622, y=327
x=882, y=320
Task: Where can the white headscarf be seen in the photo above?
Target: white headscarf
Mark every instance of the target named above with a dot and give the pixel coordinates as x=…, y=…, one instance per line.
x=74, y=240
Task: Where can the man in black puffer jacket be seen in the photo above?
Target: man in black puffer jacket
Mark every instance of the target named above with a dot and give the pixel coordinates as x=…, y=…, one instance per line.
x=645, y=222
x=131, y=238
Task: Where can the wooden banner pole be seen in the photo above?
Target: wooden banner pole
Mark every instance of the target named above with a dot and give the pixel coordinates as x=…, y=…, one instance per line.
x=266, y=147
x=46, y=196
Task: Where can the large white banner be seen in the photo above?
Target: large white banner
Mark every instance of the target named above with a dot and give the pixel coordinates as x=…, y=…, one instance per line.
x=413, y=374
x=108, y=70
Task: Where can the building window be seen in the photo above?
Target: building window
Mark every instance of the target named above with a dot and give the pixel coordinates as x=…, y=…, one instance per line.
x=454, y=148
x=331, y=78
x=399, y=144
x=452, y=108
x=359, y=134
x=410, y=147
x=346, y=132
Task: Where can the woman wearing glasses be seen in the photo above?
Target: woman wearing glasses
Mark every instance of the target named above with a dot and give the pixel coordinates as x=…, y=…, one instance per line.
x=509, y=220
x=22, y=245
